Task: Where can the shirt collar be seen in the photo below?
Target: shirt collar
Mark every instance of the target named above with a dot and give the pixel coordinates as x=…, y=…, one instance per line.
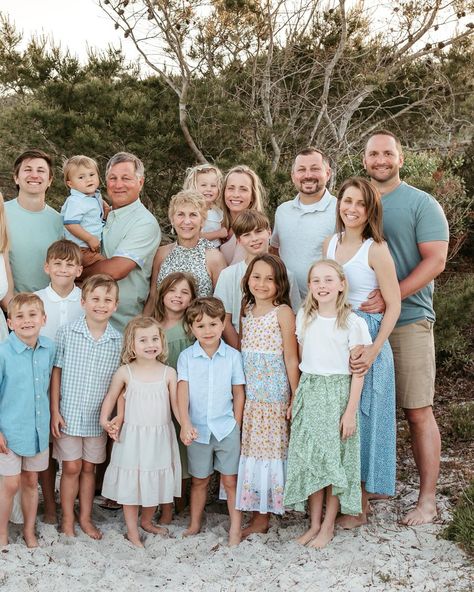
x=20, y=346
x=319, y=206
x=80, y=326
x=199, y=352
x=126, y=210
x=77, y=193
x=73, y=296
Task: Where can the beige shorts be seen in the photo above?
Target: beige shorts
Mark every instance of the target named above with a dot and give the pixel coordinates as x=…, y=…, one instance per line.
x=415, y=366
x=13, y=464
x=91, y=449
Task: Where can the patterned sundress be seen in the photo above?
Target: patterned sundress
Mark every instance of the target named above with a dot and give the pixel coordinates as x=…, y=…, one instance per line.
x=262, y=468
x=191, y=260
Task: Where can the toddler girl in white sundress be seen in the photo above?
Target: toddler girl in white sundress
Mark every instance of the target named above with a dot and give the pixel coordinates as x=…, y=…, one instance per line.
x=144, y=468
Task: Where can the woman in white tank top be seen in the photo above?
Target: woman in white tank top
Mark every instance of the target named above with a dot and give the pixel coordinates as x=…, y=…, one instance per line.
x=359, y=247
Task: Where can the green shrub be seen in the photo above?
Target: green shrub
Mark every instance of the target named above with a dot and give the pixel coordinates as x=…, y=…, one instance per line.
x=461, y=528
x=454, y=305
x=461, y=421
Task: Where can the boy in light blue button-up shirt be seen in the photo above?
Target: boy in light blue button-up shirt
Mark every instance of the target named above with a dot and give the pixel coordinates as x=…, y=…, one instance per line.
x=211, y=401
x=26, y=360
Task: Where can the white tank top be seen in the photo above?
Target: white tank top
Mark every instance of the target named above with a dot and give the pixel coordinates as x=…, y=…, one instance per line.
x=360, y=276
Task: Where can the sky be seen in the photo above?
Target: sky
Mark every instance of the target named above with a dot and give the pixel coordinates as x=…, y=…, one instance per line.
x=75, y=24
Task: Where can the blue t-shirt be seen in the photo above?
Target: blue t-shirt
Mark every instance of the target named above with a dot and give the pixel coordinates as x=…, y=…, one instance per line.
x=411, y=217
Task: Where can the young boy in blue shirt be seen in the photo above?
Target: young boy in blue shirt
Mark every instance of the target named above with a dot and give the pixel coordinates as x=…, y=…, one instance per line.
x=26, y=360
x=211, y=401
x=87, y=356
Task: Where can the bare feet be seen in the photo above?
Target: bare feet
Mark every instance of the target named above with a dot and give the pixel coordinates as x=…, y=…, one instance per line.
x=135, y=540
x=235, y=537
x=67, y=528
x=423, y=513
x=305, y=538
x=153, y=529
x=259, y=525
x=324, y=537
x=348, y=522
x=90, y=528
x=192, y=530
x=30, y=540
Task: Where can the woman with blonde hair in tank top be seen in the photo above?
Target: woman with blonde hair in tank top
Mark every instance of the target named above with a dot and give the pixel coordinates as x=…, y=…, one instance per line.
x=359, y=247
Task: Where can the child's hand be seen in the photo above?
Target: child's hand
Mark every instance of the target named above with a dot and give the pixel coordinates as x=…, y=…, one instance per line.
x=223, y=232
x=348, y=425
x=94, y=244
x=3, y=444
x=57, y=423
x=188, y=434
x=113, y=427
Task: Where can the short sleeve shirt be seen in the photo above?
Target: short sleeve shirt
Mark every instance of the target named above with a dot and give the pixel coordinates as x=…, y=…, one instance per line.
x=411, y=217
x=134, y=233
x=59, y=311
x=299, y=234
x=87, y=366
x=325, y=346
x=24, y=398
x=85, y=210
x=31, y=233
x=210, y=382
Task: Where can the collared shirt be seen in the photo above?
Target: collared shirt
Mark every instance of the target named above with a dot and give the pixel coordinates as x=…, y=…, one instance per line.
x=87, y=368
x=31, y=233
x=210, y=388
x=299, y=234
x=85, y=210
x=24, y=400
x=132, y=232
x=59, y=311
x=229, y=290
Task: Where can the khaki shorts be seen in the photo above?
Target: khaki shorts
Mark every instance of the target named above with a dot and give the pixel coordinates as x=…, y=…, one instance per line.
x=415, y=367
x=90, y=257
x=91, y=449
x=13, y=464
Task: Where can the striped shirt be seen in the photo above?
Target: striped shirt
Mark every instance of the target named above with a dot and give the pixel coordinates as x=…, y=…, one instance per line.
x=87, y=368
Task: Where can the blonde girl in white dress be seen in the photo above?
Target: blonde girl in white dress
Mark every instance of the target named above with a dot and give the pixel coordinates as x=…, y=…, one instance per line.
x=144, y=468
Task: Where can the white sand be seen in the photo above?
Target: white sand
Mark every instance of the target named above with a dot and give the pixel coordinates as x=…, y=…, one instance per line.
x=379, y=556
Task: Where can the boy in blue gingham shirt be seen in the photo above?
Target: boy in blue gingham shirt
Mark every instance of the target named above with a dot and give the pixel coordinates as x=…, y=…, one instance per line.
x=87, y=356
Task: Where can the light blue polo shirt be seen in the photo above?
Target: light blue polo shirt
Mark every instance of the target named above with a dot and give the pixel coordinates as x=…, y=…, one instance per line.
x=85, y=210
x=299, y=233
x=24, y=399
x=132, y=232
x=31, y=233
x=210, y=388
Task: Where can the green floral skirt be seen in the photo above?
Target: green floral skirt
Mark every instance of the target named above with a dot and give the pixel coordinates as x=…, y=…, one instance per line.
x=317, y=456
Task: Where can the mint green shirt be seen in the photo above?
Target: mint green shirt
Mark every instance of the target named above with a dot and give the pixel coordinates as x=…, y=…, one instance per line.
x=31, y=233
x=132, y=232
x=411, y=217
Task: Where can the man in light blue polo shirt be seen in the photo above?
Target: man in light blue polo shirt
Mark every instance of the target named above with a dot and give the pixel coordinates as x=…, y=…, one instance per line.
x=130, y=237
x=302, y=224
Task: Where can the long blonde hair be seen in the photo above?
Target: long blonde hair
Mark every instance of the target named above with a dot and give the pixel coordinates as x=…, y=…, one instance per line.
x=258, y=192
x=311, y=306
x=128, y=353
x=4, y=240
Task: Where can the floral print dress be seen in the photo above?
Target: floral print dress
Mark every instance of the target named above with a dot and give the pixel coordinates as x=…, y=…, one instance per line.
x=262, y=468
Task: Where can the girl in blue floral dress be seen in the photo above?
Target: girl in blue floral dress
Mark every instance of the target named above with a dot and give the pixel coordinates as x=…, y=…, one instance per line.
x=270, y=356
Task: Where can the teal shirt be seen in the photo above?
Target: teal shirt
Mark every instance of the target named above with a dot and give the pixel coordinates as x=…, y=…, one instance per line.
x=411, y=217
x=31, y=233
x=132, y=232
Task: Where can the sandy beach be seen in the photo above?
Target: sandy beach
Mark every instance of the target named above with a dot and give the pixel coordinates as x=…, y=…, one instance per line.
x=380, y=556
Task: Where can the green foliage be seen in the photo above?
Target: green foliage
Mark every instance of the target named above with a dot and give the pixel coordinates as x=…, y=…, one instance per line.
x=454, y=305
x=461, y=421
x=461, y=528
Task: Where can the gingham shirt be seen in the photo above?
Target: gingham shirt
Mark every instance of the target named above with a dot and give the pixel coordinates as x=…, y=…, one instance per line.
x=87, y=369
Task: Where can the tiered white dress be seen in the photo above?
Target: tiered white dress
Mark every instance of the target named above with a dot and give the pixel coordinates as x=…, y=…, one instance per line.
x=144, y=467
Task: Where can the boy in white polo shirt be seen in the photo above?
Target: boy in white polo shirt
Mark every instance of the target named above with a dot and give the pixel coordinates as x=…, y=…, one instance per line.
x=62, y=305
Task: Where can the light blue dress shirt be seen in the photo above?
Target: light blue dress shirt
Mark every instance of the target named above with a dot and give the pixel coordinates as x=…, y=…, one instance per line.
x=85, y=210
x=24, y=398
x=210, y=388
